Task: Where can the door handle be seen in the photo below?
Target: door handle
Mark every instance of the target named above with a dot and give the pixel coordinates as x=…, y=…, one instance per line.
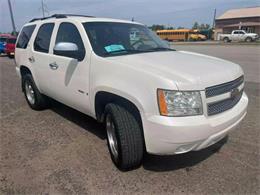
x=31, y=59
x=54, y=66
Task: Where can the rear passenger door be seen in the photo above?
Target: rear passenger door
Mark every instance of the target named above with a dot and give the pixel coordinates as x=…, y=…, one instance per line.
x=235, y=36
x=69, y=79
x=23, y=48
x=40, y=56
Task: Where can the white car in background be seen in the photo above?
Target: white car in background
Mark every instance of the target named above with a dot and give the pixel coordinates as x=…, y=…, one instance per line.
x=239, y=35
x=150, y=97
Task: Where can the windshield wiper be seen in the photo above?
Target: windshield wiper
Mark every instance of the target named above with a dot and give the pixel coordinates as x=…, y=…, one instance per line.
x=161, y=49
x=132, y=51
x=121, y=51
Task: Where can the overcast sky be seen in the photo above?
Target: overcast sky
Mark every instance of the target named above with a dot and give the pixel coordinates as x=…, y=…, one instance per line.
x=168, y=12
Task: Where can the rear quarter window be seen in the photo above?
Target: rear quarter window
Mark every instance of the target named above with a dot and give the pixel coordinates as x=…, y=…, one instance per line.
x=25, y=36
x=43, y=38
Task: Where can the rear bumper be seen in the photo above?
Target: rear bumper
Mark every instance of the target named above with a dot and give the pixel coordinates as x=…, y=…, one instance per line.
x=9, y=51
x=174, y=135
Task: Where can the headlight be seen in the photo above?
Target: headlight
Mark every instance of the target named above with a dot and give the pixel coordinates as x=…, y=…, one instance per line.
x=179, y=103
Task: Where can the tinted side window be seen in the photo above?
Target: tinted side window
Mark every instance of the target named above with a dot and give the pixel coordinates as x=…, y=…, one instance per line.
x=3, y=39
x=43, y=38
x=68, y=32
x=25, y=36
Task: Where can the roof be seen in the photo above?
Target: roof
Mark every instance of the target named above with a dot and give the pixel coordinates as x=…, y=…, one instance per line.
x=241, y=13
x=5, y=35
x=174, y=30
x=12, y=37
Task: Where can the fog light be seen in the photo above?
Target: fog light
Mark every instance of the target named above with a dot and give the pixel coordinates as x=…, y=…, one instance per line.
x=185, y=148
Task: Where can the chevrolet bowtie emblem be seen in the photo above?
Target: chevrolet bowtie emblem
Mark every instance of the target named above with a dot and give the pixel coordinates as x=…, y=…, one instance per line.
x=234, y=93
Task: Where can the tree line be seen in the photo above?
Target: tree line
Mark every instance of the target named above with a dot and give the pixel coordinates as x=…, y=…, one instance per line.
x=196, y=25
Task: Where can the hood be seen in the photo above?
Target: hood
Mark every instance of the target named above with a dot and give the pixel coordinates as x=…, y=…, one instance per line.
x=189, y=71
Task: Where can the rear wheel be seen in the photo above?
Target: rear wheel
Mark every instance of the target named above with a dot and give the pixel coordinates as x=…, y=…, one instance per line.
x=226, y=40
x=34, y=98
x=249, y=39
x=124, y=137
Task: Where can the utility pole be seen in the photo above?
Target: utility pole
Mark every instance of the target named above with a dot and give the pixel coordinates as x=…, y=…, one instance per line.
x=43, y=14
x=214, y=18
x=12, y=17
x=44, y=8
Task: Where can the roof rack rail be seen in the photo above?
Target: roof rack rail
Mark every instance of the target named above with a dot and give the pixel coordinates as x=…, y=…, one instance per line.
x=60, y=16
x=77, y=15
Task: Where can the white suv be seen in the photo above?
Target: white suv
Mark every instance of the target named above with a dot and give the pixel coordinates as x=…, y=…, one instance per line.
x=151, y=98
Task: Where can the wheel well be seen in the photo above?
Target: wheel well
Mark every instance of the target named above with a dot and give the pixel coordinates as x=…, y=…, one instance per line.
x=24, y=70
x=103, y=98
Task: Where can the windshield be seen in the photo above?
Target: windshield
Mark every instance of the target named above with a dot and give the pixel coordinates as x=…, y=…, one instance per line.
x=12, y=41
x=111, y=38
x=3, y=39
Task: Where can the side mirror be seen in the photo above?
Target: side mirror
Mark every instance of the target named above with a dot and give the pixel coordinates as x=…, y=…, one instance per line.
x=66, y=49
x=167, y=43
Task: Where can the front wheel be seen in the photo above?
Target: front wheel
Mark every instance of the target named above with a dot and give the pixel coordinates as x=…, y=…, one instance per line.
x=249, y=39
x=124, y=137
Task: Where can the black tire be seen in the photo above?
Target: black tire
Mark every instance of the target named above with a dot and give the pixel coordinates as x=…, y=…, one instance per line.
x=10, y=56
x=40, y=102
x=249, y=39
x=226, y=40
x=129, y=136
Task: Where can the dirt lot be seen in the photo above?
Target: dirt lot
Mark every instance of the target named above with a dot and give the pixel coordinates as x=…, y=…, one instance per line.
x=61, y=151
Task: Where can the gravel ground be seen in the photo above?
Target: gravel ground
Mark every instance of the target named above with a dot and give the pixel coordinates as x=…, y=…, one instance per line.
x=61, y=151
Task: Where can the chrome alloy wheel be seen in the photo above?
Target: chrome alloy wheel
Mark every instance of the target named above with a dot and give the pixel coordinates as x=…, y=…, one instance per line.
x=111, y=136
x=30, y=95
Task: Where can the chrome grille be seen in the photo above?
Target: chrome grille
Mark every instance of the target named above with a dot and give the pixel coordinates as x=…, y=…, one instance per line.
x=218, y=107
x=224, y=88
x=226, y=104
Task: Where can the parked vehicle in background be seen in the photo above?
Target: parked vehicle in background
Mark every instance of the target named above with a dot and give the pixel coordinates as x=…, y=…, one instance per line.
x=195, y=35
x=239, y=35
x=181, y=35
x=209, y=33
x=150, y=97
x=3, y=38
x=10, y=46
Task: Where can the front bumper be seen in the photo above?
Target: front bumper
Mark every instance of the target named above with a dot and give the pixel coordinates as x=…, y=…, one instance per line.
x=174, y=135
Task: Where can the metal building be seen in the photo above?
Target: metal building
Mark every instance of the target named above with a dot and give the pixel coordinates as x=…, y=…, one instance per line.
x=247, y=19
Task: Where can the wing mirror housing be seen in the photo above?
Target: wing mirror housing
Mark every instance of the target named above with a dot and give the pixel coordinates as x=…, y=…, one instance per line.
x=66, y=49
